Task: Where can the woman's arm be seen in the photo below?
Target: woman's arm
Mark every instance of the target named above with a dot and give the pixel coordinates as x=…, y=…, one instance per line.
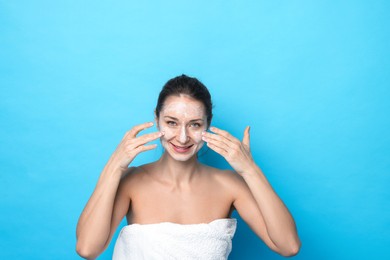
x=279, y=223
x=256, y=200
x=110, y=201
x=94, y=225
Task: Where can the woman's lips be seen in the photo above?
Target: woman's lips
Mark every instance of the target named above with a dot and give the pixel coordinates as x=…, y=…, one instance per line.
x=181, y=149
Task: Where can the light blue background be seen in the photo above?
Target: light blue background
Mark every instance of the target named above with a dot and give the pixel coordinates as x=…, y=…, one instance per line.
x=310, y=77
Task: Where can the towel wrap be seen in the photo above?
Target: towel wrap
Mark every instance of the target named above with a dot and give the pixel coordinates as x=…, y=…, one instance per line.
x=169, y=240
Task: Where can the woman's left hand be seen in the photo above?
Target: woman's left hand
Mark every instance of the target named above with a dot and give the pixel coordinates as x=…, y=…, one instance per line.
x=237, y=153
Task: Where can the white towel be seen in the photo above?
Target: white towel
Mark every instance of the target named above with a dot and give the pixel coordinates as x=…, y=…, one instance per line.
x=169, y=240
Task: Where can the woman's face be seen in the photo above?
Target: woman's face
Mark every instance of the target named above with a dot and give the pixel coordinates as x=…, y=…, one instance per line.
x=182, y=119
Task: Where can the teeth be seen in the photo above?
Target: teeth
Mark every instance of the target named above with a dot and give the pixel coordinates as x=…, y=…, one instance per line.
x=186, y=147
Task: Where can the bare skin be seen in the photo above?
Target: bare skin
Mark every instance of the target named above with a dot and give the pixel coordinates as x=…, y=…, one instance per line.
x=178, y=188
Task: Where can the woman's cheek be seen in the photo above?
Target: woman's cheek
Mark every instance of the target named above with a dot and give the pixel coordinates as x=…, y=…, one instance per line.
x=168, y=133
x=198, y=140
x=197, y=136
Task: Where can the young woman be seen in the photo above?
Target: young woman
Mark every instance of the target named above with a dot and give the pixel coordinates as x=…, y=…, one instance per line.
x=177, y=207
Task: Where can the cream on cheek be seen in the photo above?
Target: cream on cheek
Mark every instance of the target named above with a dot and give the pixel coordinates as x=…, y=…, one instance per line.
x=198, y=139
x=197, y=135
x=168, y=133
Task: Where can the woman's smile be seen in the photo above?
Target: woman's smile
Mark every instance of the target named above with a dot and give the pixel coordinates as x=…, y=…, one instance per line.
x=181, y=149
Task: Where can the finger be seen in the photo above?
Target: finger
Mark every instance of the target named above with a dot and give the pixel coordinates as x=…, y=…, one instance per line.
x=209, y=136
x=246, y=138
x=223, y=133
x=148, y=137
x=217, y=143
x=138, y=128
x=141, y=140
x=217, y=149
x=144, y=148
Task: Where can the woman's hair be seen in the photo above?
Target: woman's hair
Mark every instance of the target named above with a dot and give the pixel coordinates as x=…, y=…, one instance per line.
x=187, y=86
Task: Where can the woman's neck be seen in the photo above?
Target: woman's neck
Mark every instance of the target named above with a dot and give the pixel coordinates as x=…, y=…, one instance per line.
x=177, y=172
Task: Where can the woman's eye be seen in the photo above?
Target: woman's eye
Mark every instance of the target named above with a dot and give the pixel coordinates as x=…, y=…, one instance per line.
x=196, y=125
x=171, y=123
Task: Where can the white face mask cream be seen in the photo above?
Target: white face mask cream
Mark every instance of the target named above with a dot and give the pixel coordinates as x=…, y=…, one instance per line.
x=182, y=119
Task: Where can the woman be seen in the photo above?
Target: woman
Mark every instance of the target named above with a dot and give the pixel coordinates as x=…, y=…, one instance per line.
x=176, y=207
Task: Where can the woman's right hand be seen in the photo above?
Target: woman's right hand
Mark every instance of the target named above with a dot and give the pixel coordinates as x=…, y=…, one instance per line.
x=131, y=145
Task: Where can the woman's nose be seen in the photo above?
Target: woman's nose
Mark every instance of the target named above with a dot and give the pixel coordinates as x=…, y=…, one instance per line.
x=183, y=135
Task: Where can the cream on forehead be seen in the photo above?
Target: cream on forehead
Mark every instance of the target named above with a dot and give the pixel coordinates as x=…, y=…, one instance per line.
x=188, y=110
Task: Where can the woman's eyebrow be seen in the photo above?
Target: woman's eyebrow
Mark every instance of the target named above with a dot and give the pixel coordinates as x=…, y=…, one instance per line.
x=171, y=117
x=192, y=120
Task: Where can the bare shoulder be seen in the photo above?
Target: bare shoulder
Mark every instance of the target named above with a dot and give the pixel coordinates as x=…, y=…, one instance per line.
x=232, y=184
x=135, y=175
x=228, y=178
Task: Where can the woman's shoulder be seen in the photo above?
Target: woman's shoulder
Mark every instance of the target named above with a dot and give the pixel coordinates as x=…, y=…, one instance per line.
x=216, y=171
x=224, y=176
x=136, y=173
x=230, y=181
